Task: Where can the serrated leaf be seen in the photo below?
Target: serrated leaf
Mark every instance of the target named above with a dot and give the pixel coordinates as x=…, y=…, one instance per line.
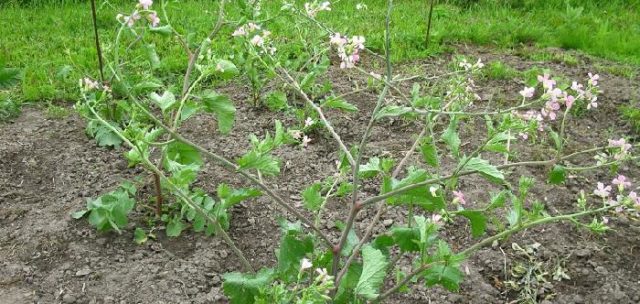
x=152, y=55
x=242, y=288
x=276, y=101
x=232, y=197
x=183, y=154
x=498, y=200
x=420, y=196
x=267, y=164
x=451, y=138
x=222, y=107
x=374, y=265
x=447, y=276
x=557, y=175
x=226, y=69
x=139, y=236
x=174, y=227
x=371, y=168
x=164, y=102
x=189, y=109
x=339, y=103
x=408, y=239
x=478, y=221
x=348, y=284
x=429, y=153
x=292, y=250
x=392, y=111
x=486, y=169
x=164, y=30
x=312, y=197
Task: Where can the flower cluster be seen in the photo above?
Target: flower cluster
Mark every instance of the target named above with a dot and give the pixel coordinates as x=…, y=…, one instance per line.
x=620, y=147
x=629, y=201
x=467, y=66
x=151, y=16
x=323, y=281
x=556, y=98
x=300, y=136
x=87, y=84
x=314, y=7
x=348, y=49
x=257, y=36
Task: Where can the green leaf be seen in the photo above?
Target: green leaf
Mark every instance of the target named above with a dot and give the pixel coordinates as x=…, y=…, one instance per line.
x=231, y=197
x=103, y=135
x=556, y=139
x=189, y=109
x=164, y=30
x=478, y=221
x=429, y=153
x=243, y=288
x=183, y=154
x=348, y=284
x=225, y=69
x=139, y=236
x=374, y=266
x=451, y=138
x=9, y=77
x=276, y=101
x=498, y=200
x=557, y=175
x=79, y=214
x=165, y=102
x=408, y=239
x=152, y=55
x=222, y=107
x=392, y=111
x=497, y=143
x=486, y=169
x=370, y=169
x=339, y=103
x=292, y=250
x=312, y=197
x=174, y=227
x=420, y=196
x=447, y=276
x=267, y=164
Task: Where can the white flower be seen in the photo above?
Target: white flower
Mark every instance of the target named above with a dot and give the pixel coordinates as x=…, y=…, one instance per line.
x=305, y=264
x=257, y=40
x=308, y=122
x=305, y=141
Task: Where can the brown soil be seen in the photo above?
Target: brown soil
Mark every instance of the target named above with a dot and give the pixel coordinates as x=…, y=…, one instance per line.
x=48, y=168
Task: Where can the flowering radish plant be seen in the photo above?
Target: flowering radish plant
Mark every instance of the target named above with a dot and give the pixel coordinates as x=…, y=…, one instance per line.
x=137, y=110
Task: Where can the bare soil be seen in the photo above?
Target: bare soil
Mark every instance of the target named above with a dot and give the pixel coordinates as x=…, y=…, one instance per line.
x=48, y=168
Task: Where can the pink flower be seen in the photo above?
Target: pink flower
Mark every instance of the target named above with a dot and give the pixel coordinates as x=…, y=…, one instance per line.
x=634, y=198
x=602, y=191
x=337, y=40
x=621, y=182
x=569, y=100
x=89, y=84
x=131, y=20
x=253, y=27
x=555, y=94
x=153, y=18
x=619, y=143
x=145, y=4
x=305, y=141
x=593, y=79
x=458, y=197
x=576, y=86
x=257, y=40
x=436, y=219
x=547, y=82
x=239, y=32
x=527, y=92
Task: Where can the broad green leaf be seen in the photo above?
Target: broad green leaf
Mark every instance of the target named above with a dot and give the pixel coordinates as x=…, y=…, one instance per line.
x=225, y=69
x=174, y=227
x=222, y=107
x=164, y=30
x=146, y=86
x=421, y=196
x=152, y=55
x=478, y=221
x=498, y=143
x=486, y=169
x=451, y=138
x=408, y=239
x=312, y=197
x=139, y=236
x=183, y=153
x=267, y=164
x=348, y=284
x=498, y=200
x=165, y=102
x=392, y=111
x=448, y=276
x=292, y=249
x=339, y=103
x=103, y=135
x=429, y=153
x=242, y=288
x=276, y=101
x=557, y=175
x=232, y=197
x=370, y=169
x=189, y=109
x=352, y=239
x=374, y=266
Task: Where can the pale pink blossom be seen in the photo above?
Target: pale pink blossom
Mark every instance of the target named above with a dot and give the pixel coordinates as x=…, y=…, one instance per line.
x=154, y=19
x=602, y=191
x=546, y=81
x=239, y=32
x=458, y=197
x=145, y=4
x=337, y=40
x=308, y=122
x=313, y=8
x=621, y=181
x=527, y=92
x=257, y=40
x=634, y=198
x=593, y=79
x=436, y=219
x=253, y=27
x=305, y=141
x=131, y=20
x=568, y=101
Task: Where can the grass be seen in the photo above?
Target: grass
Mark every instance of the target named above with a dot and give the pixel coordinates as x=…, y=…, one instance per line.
x=53, y=40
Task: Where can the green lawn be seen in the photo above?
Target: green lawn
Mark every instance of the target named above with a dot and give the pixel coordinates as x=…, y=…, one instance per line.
x=53, y=42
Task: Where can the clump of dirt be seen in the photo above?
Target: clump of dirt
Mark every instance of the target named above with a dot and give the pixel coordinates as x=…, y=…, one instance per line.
x=48, y=168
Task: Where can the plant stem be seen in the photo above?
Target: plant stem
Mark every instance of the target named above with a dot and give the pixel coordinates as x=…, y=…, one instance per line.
x=150, y=166
x=97, y=38
x=467, y=252
x=159, y=197
x=429, y=24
